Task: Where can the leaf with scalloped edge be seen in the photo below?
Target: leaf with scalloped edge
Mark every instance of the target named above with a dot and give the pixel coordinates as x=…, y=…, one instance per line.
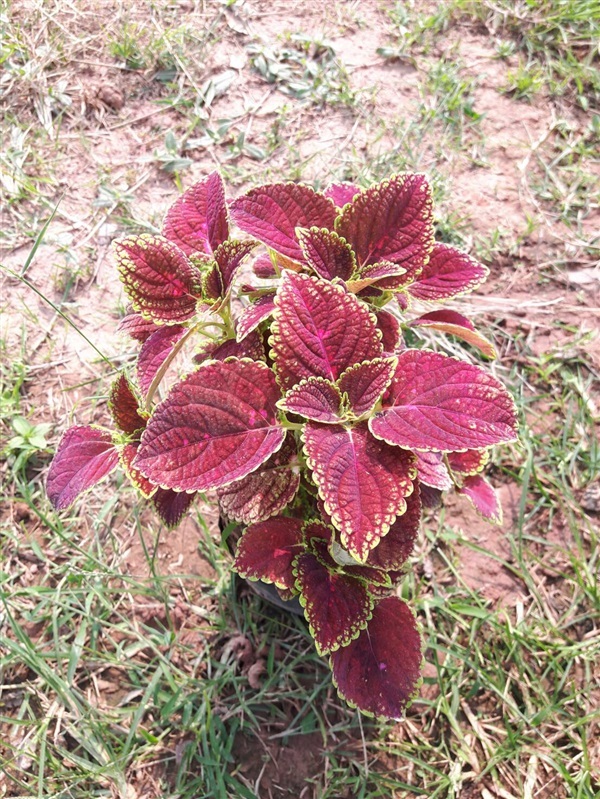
x=154, y=352
x=127, y=455
x=266, y=551
x=383, y=274
x=159, y=279
x=391, y=334
x=251, y=317
x=396, y=546
x=316, y=529
x=483, y=497
x=134, y=325
x=379, y=672
x=213, y=286
x=327, y=253
x=362, y=481
x=171, y=505
x=448, y=273
x=265, y=492
x=216, y=426
x=197, y=221
x=314, y=398
x=84, y=457
x=433, y=471
x=319, y=330
x=271, y=214
x=470, y=462
x=124, y=408
x=263, y=267
x=365, y=382
x=391, y=221
x=341, y=193
x=251, y=347
x=337, y=607
x=230, y=255
x=456, y=324
x=440, y=403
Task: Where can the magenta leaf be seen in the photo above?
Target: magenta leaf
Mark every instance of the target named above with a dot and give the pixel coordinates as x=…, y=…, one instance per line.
x=394, y=549
x=213, y=285
x=265, y=492
x=362, y=481
x=124, y=406
x=160, y=280
x=432, y=470
x=315, y=398
x=379, y=672
x=263, y=267
x=154, y=352
x=197, y=221
x=230, y=256
x=441, y=403
x=341, y=193
x=448, y=273
x=383, y=274
x=84, y=457
x=271, y=214
x=391, y=221
x=470, y=462
x=483, y=497
x=215, y=426
x=134, y=325
x=171, y=505
x=319, y=330
x=253, y=315
x=318, y=530
x=327, y=253
x=365, y=383
x=266, y=551
x=389, y=326
x=430, y=497
x=251, y=347
x=127, y=455
x=337, y=607
x=457, y=325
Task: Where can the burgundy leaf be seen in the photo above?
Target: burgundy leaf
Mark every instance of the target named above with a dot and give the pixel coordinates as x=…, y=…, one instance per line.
x=341, y=193
x=216, y=426
x=365, y=383
x=441, y=403
x=124, y=406
x=394, y=549
x=213, y=285
x=154, y=353
x=197, y=221
x=430, y=497
x=251, y=347
x=379, y=672
x=337, y=607
x=389, y=326
x=134, y=325
x=315, y=529
x=84, y=457
x=432, y=470
x=362, y=481
x=267, y=550
x=263, y=267
x=171, y=505
x=265, y=492
x=230, y=256
x=391, y=221
x=314, y=398
x=327, y=253
x=457, y=325
x=272, y=213
x=253, y=315
x=319, y=330
x=448, y=273
x=161, y=282
x=383, y=274
x=470, y=462
x=483, y=497
x=144, y=486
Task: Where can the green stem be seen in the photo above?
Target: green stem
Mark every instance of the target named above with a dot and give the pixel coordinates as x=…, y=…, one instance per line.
x=165, y=365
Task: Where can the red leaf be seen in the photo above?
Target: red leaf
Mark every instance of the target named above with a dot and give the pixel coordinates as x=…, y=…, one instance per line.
x=251, y=347
x=315, y=529
x=337, y=607
x=483, y=497
x=389, y=326
x=391, y=221
x=213, y=286
x=448, y=273
x=124, y=406
x=134, y=325
x=230, y=256
x=394, y=549
x=144, y=486
x=154, y=353
x=314, y=398
x=365, y=383
x=379, y=672
x=362, y=481
x=253, y=315
x=267, y=550
x=161, y=282
x=383, y=275
x=84, y=457
x=441, y=403
x=432, y=470
x=319, y=330
x=341, y=193
x=457, y=325
x=265, y=492
x=272, y=213
x=263, y=267
x=470, y=462
x=171, y=505
x=327, y=253
x=197, y=221
x=216, y=426
x=430, y=497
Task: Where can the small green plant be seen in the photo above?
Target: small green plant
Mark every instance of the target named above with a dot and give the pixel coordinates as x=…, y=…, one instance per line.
x=30, y=439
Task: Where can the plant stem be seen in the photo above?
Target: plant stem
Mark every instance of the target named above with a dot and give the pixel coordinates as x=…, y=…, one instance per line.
x=165, y=365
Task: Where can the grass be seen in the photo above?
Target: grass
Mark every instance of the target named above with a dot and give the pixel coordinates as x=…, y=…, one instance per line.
x=130, y=663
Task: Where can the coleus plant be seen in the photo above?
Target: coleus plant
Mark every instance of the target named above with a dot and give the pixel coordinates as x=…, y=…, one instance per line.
x=321, y=431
